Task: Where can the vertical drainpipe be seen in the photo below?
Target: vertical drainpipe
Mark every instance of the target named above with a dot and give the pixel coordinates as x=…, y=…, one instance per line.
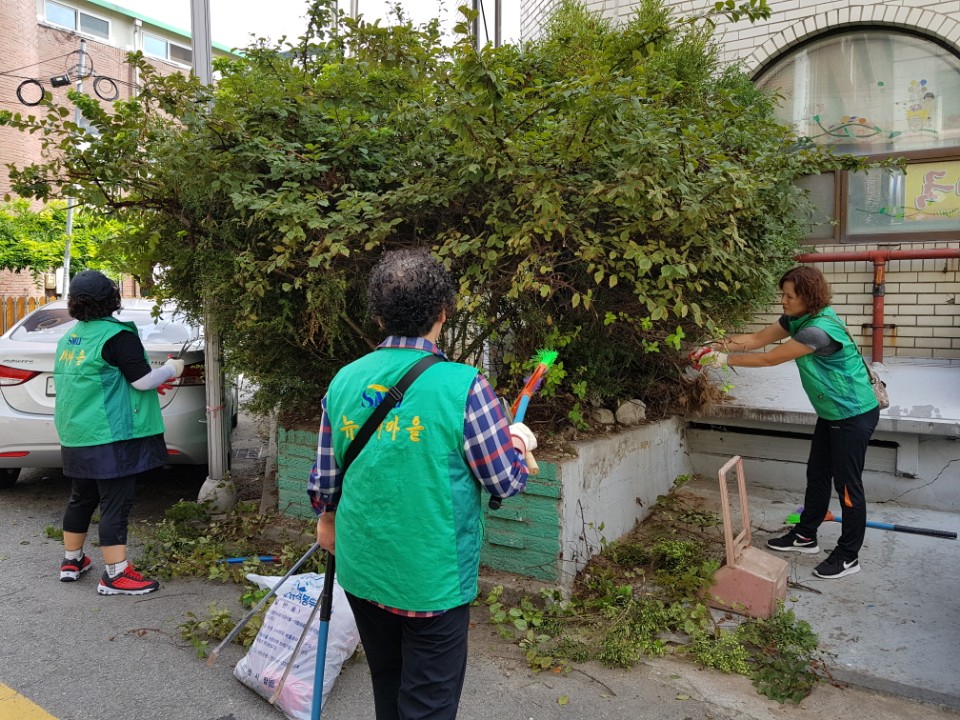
x=137, y=45
x=879, y=291
x=475, y=25
x=879, y=259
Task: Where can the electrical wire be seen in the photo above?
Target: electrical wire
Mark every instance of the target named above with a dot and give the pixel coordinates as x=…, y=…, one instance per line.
x=39, y=62
x=104, y=87
x=26, y=83
x=483, y=14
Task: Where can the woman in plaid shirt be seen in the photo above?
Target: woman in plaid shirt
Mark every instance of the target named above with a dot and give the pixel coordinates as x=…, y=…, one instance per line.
x=407, y=523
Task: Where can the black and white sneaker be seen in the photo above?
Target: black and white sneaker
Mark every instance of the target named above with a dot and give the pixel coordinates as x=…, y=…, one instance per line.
x=792, y=542
x=836, y=567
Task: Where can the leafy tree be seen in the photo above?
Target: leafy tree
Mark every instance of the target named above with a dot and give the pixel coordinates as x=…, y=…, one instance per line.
x=605, y=191
x=34, y=240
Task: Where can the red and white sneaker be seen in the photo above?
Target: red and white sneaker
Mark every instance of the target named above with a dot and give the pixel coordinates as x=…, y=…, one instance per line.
x=129, y=582
x=70, y=570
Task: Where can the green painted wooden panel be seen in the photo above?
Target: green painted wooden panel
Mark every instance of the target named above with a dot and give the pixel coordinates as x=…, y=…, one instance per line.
x=296, y=452
x=546, y=488
x=295, y=505
x=522, y=537
x=546, y=529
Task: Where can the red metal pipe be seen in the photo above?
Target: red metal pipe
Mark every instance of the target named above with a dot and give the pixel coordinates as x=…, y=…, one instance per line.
x=879, y=258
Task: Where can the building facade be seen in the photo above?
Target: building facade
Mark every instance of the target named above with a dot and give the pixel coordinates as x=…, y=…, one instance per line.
x=51, y=45
x=879, y=79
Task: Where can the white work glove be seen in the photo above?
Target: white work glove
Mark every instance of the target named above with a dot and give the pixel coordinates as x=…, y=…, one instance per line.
x=177, y=365
x=708, y=357
x=523, y=434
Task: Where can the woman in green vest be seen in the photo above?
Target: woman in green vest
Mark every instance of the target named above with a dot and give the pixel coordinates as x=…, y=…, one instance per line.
x=107, y=415
x=406, y=519
x=836, y=382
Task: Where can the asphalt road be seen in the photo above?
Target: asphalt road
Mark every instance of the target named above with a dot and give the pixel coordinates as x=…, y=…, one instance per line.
x=81, y=656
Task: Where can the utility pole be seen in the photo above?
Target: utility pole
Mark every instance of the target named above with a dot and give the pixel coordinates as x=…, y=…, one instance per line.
x=77, y=115
x=475, y=6
x=218, y=488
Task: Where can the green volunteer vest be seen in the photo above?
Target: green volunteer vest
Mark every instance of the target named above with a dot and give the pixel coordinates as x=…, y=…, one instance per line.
x=410, y=521
x=95, y=403
x=838, y=385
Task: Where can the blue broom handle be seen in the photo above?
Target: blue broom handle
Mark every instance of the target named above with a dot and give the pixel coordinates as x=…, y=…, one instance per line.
x=326, y=608
x=947, y=534
x=522, y=409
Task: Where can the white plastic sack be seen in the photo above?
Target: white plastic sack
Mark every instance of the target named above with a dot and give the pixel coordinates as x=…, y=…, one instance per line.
x=265, y=662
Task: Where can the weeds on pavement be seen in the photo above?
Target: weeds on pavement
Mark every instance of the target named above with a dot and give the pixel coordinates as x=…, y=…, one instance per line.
x=641, y=598
x=190, y=542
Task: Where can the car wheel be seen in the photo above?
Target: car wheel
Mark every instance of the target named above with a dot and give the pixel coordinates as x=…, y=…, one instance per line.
x=8, y=477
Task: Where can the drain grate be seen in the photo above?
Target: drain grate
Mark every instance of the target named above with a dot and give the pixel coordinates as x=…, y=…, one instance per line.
x=247, y=453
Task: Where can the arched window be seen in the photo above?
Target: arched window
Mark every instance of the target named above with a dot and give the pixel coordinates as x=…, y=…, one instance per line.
x=879, y=93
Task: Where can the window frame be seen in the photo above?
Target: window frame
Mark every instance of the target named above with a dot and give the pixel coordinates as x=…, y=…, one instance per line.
x=843, y=195
x=167, y=42
x=839, y=218
x=77, y=12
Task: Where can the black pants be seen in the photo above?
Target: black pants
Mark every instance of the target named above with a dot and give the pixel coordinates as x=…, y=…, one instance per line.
x=417, y=664
x=114, y=497
x=836, y=456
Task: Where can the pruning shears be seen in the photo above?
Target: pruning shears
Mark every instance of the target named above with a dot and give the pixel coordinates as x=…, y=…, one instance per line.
x=183, y=349
x=163, y=387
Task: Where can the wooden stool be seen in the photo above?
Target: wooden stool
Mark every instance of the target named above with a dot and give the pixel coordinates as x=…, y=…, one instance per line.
x=752, y=581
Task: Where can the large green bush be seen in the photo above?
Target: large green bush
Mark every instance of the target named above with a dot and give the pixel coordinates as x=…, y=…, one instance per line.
x=604, y=191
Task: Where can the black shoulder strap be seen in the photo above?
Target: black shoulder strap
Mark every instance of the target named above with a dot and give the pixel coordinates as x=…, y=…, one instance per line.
x=394, y=395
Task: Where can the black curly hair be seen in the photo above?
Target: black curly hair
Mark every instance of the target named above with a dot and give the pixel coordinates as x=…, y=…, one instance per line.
x=84, y=307
x=406, y=291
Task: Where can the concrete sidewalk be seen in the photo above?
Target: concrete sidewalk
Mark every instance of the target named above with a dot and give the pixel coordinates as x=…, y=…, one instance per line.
x=895, y=625
x=499, y=685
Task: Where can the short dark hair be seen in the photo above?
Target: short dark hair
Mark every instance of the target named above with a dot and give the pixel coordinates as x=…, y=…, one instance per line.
x=84, y=307
x=811, y=286
x=407, y=290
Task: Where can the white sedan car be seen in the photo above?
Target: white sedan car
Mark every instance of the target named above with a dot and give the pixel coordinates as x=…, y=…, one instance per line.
x=28, y=437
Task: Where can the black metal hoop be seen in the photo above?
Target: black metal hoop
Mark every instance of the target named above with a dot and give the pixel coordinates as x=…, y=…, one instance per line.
x=27, y=83
x=73, y=69
x=112, y=90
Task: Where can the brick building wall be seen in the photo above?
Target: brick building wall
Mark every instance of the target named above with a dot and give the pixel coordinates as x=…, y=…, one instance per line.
x=533, y=15
x=20, y=284
x=19, y=55
x=922, y=296
x=34, y=48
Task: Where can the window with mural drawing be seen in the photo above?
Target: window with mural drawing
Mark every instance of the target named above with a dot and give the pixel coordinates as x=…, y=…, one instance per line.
x=879, y=93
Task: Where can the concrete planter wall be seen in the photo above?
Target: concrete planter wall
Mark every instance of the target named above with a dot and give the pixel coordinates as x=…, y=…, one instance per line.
x=598, y=493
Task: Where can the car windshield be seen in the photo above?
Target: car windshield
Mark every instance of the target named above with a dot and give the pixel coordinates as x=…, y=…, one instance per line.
x=48, y=325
